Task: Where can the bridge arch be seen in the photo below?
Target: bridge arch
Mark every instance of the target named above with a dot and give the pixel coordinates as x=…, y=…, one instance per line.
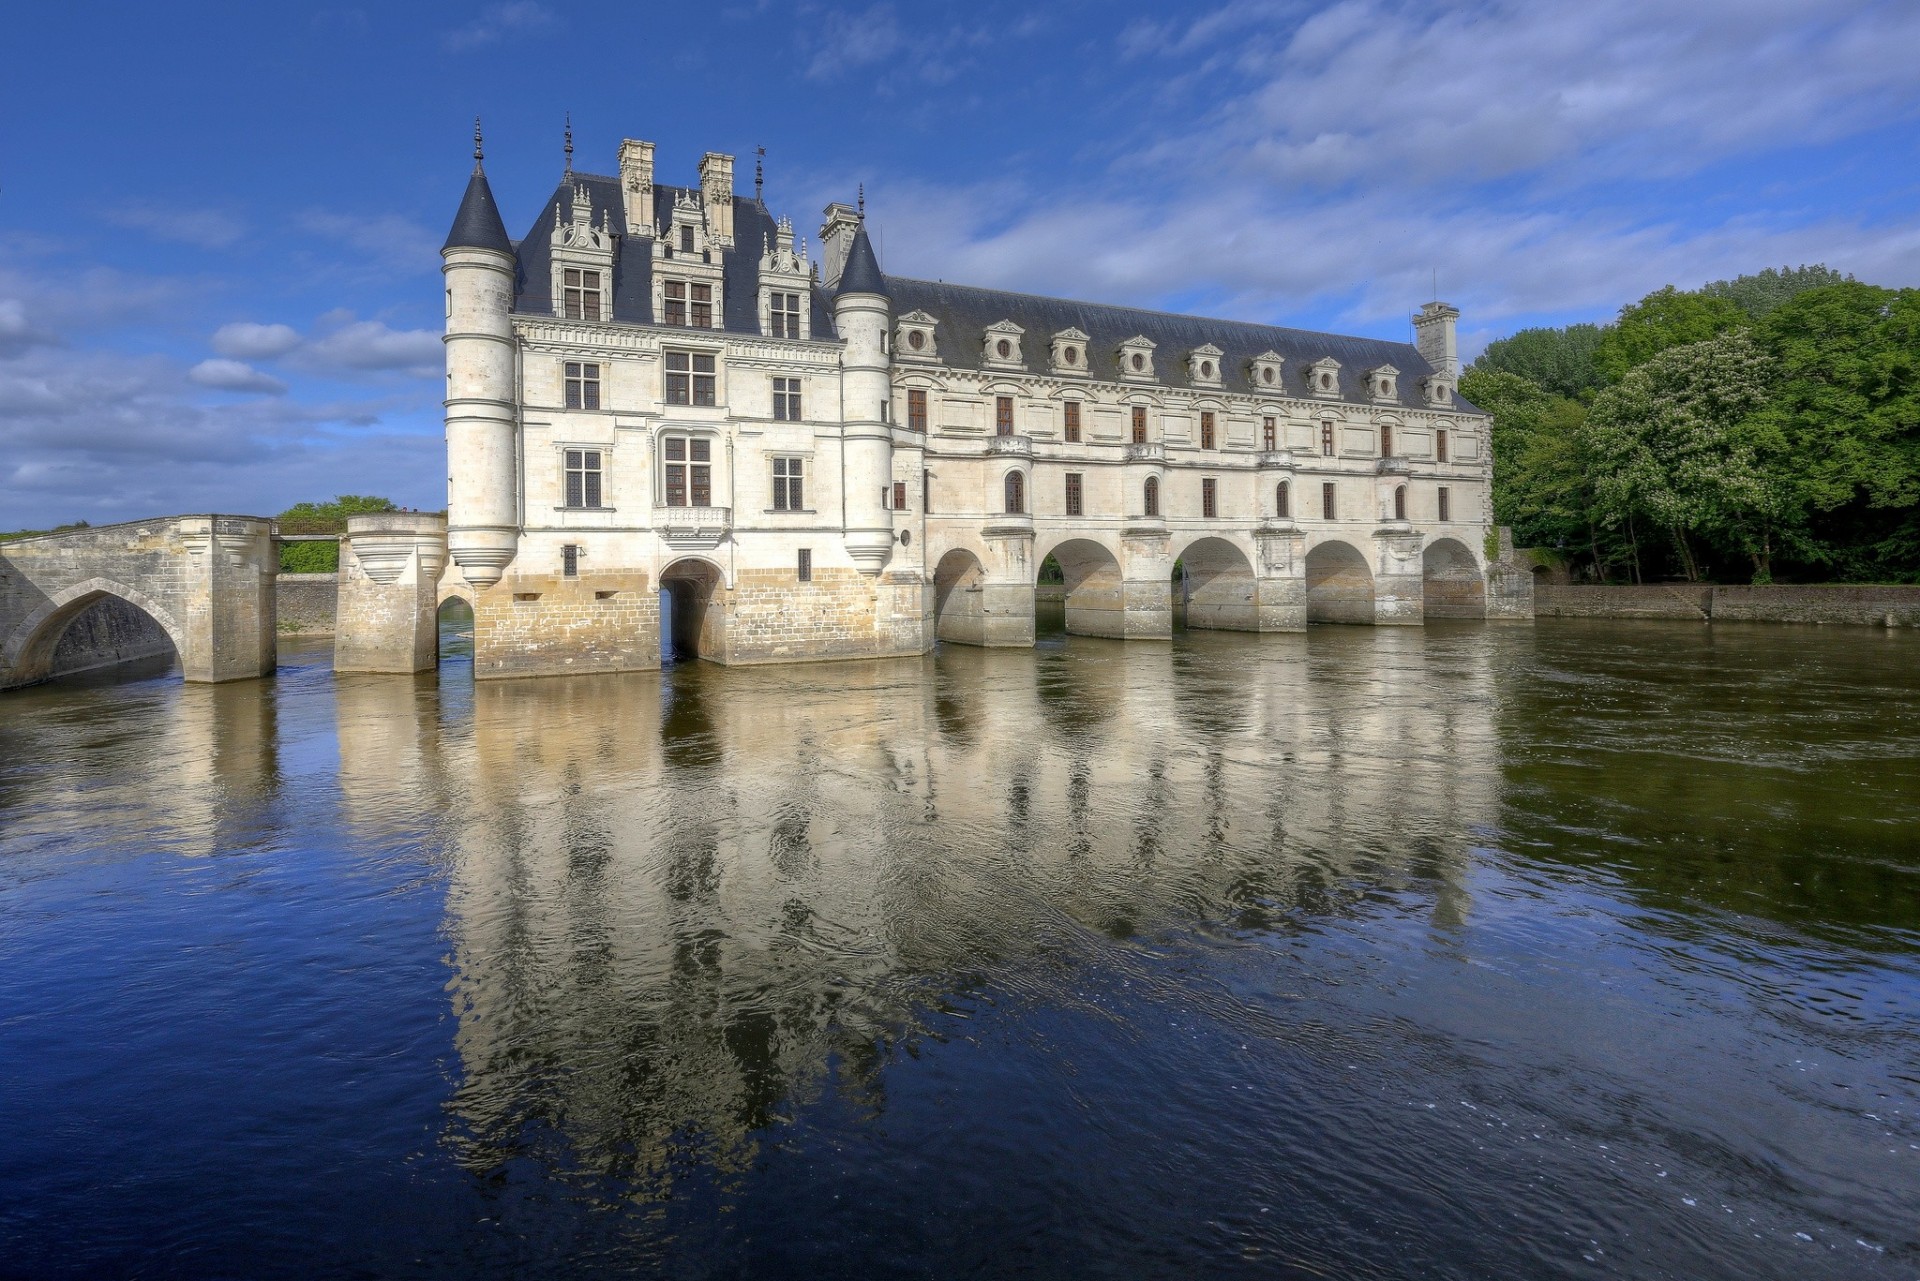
x=1095, y=586
x=1339, y=584
x=959, y=604
x=695, y=622
x=28, y=651
x=1221, y=588
x=1455, y=586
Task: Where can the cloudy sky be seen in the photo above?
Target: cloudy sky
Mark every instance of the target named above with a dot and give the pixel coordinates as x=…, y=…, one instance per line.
x=219, y=226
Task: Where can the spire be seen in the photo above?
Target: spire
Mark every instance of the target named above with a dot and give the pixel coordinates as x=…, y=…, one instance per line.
x=478, y=225
x=861, y=275
x=863, y=202
x=569, y=146
x=759, y=174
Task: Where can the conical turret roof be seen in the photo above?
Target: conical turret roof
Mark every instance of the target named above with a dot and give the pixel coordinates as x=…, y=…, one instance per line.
x=478, y=225
x=861, y=275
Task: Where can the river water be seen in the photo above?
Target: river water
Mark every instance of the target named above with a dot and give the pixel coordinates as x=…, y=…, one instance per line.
x=1574, y=950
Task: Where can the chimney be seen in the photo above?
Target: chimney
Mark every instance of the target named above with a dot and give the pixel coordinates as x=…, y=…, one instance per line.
x=636, y=185
x=1434, y=336
x=836, y=237
x=716, y=194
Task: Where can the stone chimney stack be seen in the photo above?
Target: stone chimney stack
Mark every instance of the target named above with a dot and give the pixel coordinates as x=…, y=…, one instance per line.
x=636, y=185
x=1434, y=336
x=716, y=194
x=836, y=237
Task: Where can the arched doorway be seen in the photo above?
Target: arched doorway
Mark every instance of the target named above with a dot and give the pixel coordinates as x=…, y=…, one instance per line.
x=454, y=620
x=91, y=627
x=1096, y=596
x=1220, y=587
x=1453, y=584
x=692, y=620
x=1339, y=585
x=959, y=604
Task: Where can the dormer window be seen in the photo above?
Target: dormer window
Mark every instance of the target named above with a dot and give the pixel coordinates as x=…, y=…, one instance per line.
x=1203, y=366
x=689, y=305
x=581, y=294
x=1323, y=377
x=1263, y=371
x=1382, y=382
x=1003, y=345
x=1136, y=359
x=783, y=314
x=1070, y=352
x=686, y=239
x=913, y=337
x=1438, y=390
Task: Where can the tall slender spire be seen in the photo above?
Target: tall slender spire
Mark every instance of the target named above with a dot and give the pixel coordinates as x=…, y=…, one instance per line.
x=759, y=173
x=863, y=201
x=479, y=153
x=477, y=225
x=569, y=147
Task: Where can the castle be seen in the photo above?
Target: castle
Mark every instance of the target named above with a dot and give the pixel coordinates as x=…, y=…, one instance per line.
x=664, y=412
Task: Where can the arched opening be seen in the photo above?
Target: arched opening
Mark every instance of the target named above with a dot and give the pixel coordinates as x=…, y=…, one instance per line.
x=1150, y=497
x=1453, y=584
x=1283, y=501
x=1220, y=587
x=454, y=621
x=959, y=598
x=1339, y=585
x=1400, y=502
x=1016, y=493
x=1095, y=591
x=692, y=620
x=93, y=628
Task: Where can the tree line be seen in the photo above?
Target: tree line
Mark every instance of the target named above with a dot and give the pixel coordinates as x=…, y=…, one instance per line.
x=1752, y=429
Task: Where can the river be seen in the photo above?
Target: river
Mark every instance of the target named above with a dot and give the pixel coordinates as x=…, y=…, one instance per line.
x=1586, y=949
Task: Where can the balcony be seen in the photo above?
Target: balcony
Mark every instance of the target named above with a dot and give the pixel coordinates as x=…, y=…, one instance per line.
x=1146, y=451
x=693, y=526
x=1017, y=446
x=1393, y=466
x=1272, y=459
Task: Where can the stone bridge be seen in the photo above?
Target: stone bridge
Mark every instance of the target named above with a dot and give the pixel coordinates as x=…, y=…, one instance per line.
x=207, y=582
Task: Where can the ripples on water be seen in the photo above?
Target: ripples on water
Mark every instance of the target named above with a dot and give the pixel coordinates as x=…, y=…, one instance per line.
x=1575, y=950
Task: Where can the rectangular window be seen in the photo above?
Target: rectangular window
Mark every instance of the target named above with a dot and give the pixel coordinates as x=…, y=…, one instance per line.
x=803, y=570
x=1003, y=415
x=786, y=399
x=1386, y=442
x=676, y=298
x=1139, y=425
x=689, y=478
x=1326, y=439
x=702, y=306
x=583, y=385
x=917, y=411
x=1073, y=494
x=783, y=314
x=686, y=240
x=1440, y=445
x=570, y=560
x=583, y=477
x=1206, y=430
x=789, y=494
x=690, y=378
x=1268, y=435
x=1446, y=504
x=1208, y=498
x=1326, y=501
x=1072, y=428
x=899, y=495
x=580, y=294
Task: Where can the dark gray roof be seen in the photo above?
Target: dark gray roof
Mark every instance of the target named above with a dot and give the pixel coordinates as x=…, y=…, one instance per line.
x=478, y=225
x=861, y=274
x=965, y=312
x=753, y=230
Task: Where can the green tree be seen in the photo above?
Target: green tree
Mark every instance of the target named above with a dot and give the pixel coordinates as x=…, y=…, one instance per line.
x=1664, y=319
x=1540, y=485
x=1558, y=360
x=1758, y=294
x=1675, y=443
x=330, y=517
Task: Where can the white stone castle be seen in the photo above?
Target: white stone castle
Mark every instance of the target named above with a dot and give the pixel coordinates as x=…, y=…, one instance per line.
x=660, y=406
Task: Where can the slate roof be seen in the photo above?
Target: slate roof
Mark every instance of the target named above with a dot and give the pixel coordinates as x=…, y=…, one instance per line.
x=753, y=231
x=964, y=313
x=478, y=225
x=861, y=275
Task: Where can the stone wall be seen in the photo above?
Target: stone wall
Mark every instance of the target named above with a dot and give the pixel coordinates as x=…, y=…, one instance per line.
x=307, y=603
x=110, y=632
x=550, y=625
x=772, y=617
x=1781, y=603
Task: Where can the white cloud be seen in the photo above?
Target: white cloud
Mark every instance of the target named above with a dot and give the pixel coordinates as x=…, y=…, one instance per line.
x=234, y=375
x=372, y=345
x=244, y=340
x=202, y=228
x=847, y=41
x=392, y=240
x=498, y=21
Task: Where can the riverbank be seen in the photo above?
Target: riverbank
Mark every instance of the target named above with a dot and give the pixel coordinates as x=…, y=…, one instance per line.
x=1839, y=603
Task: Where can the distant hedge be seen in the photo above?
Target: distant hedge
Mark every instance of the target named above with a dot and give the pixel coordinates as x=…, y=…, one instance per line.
x=310, y=558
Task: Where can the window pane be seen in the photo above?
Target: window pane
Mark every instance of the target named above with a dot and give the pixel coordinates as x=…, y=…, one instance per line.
x=703, y=293
x=677, y=448
x=702, y=450
x=702, y=486
x=676, y=289
x=573, y=458
x=573, y=394
x=590, y=391
x=573, y=489
x=677, y=485
x=703, y=364
x=592, y=489
x=572, y=278
x=677, y=360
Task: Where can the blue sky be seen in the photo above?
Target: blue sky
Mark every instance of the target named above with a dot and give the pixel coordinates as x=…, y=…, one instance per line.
x=219, y=225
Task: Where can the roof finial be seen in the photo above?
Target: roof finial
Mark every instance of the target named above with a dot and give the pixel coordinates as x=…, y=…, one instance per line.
x=478, y=153
x=863, y=201
x=759, y=172
x=569, y=146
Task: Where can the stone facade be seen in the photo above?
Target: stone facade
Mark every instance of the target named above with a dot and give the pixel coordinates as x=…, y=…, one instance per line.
x=1867, y=606
x=662, y=390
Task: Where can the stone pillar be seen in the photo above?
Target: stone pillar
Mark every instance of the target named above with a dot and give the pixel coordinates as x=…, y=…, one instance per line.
x=1509, y=584
x=1146, y=573
x=231, y=618
x=387, y=616
x=1280, y=588
x=1004, y=602
x=1399, y=584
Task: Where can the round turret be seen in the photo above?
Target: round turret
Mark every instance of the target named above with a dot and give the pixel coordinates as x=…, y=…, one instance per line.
x=861, y=314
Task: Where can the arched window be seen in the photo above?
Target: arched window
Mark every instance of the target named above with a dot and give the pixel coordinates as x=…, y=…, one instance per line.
x=1400, y=503
x=1150, y=496
x=1016, y=493
x=1280, y=507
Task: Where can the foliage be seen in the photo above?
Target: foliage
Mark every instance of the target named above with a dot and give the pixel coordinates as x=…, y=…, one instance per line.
x=1538, y=486
x=1557, y=360
x=310, y=558
x=35, y=533
x=1760, y=293
x=1662, y=320
x=330, y=518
